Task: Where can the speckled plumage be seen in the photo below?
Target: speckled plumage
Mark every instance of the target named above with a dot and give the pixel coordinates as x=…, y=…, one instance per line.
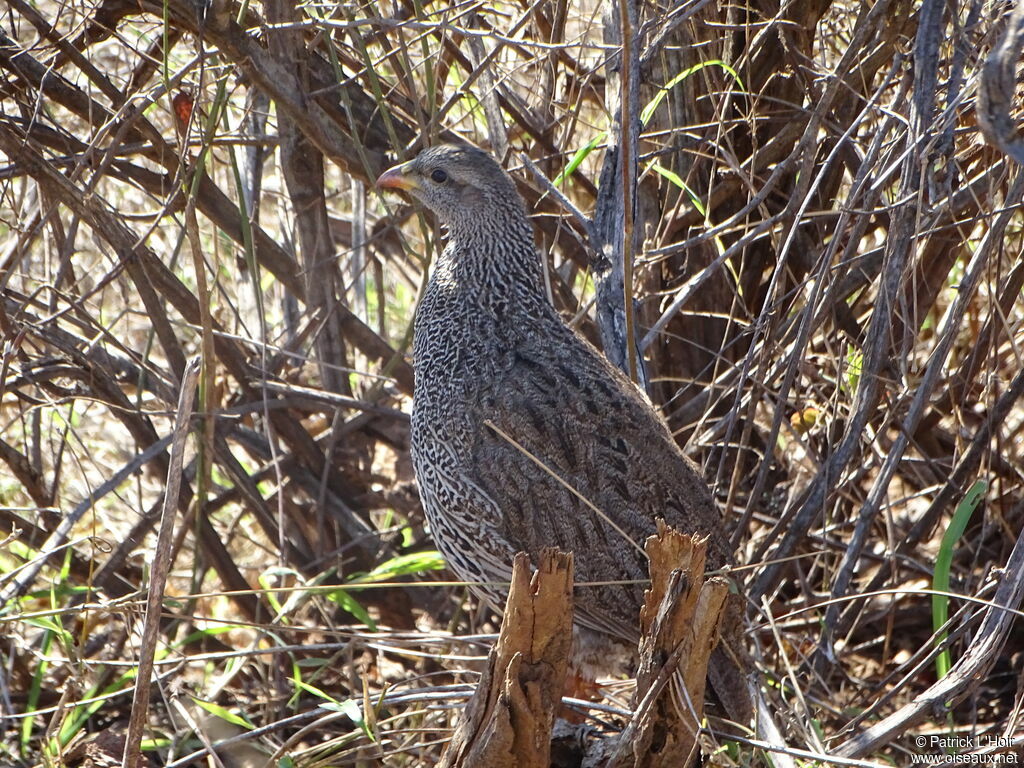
x=503, y=386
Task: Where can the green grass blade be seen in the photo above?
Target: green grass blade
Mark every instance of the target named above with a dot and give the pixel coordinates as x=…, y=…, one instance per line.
x=648, y=111
x=943, y=563
x=578, y=157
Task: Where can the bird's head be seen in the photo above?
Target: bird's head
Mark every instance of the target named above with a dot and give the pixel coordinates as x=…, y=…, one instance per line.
x=464, y=186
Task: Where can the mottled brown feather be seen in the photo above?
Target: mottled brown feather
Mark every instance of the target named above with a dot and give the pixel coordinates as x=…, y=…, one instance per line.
x=557, y=402
x=523, y=435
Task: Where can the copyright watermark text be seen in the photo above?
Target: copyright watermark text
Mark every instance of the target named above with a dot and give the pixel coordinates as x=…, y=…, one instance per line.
x=959, y=749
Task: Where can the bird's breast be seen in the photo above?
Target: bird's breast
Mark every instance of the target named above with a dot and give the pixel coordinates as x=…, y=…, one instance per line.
x=459, y=343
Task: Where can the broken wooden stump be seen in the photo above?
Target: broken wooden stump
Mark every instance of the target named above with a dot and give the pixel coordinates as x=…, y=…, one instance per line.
x=508, y=721
x=679, y=624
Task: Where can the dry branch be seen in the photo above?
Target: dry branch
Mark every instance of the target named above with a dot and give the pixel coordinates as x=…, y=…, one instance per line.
x=998, y=83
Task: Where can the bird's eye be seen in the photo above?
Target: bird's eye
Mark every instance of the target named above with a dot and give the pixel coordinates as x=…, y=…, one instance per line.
x=439, y=176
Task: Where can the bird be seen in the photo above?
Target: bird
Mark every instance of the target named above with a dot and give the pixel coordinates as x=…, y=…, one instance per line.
x=523, y=434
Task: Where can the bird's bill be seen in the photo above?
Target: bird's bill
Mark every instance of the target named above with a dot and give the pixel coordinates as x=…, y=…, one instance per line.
x=396, y=178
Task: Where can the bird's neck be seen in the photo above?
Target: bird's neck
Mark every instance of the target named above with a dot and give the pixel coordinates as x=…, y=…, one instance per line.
x=493, y=262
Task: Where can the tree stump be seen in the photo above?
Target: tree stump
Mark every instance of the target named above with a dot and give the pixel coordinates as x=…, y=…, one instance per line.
x=679, y=624
x=508, y=721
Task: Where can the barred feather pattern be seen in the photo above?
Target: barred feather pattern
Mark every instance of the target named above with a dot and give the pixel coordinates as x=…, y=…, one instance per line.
x=523, y=434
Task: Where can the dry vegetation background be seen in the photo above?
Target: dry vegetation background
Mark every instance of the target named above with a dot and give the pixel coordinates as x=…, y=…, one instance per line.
x=827, y=276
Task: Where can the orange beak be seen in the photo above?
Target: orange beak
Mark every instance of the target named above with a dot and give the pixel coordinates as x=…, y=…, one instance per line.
x=396, y=178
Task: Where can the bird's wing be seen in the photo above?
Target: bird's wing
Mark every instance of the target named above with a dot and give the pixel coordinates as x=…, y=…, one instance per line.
x=574, y=457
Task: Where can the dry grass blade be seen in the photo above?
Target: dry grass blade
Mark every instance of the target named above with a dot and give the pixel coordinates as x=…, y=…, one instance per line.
x=161, y=566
